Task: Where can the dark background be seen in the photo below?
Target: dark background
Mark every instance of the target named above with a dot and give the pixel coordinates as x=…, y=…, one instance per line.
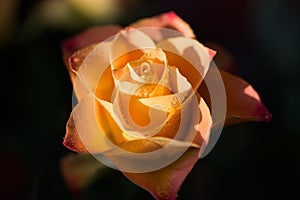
x=250, y=161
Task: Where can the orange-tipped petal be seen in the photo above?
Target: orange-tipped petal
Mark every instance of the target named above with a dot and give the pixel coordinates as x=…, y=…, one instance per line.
x=72, y=139
x=84, y=133
x=166, y=20
x=243, y=102
x=164, y=183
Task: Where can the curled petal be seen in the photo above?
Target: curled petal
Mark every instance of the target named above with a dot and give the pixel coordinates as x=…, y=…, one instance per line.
x=142, y=70
x=166, y=20
x=197, y=55
x=157, y=114
x=127, y=41
x=84, y=132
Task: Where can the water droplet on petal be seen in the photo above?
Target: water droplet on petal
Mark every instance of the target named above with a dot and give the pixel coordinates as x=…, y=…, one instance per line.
x=145, y=68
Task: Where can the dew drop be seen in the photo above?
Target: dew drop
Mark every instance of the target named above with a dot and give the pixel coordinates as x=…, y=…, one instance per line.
x=145, y=68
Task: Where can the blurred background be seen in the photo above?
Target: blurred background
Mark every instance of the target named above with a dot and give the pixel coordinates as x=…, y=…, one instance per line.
x=250, y=161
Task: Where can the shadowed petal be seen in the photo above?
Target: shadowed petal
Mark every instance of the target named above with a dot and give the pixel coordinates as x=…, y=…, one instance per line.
x=243, y=102
x=165, y=183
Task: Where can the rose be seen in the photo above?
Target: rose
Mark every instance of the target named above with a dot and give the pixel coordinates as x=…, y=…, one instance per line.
x=139, y=104
x=143, y=78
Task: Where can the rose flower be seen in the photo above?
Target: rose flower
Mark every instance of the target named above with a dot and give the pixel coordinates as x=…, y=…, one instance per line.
x=149, y=99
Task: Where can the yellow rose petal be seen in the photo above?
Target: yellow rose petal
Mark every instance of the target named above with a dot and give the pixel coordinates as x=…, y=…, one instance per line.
x=191, y=50
x=128, y=41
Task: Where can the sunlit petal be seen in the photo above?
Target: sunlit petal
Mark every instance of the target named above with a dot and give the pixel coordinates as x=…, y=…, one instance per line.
x=86, y=126
x=93, y=69
x=204, y=126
